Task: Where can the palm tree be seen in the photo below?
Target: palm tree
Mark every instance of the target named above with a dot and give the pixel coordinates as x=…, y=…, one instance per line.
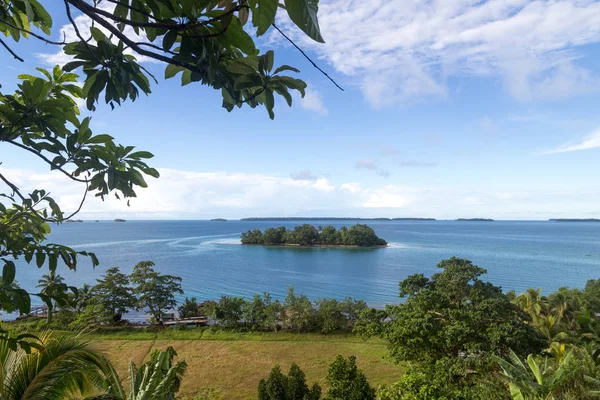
x=59, y=366
x=84, y=295
x=65, y=366
x=531, y=301
x=52, y=286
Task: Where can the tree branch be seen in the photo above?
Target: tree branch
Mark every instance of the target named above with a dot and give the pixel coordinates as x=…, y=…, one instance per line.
x=12, y=187
x=155, y=47
x=87, y=9
x=43, y=157
x=11, y=51
x=85, y=42
x=307, y=57
x=35, y=35
x=80, y=204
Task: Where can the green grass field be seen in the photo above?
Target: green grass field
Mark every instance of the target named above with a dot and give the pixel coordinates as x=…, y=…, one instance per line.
x=233, y=363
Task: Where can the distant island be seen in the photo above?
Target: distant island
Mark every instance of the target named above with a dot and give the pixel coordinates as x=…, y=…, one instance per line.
x=574, y=220
x=333, y=219
x=119, y=220
x=218, y=220
x=73, y=220
x=308, y=236
x=413, y=219
x=475, y=219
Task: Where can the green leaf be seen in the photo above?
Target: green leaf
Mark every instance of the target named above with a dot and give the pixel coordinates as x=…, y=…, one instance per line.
x=141, y=154
x=285, y=68
x=186, y=77
x=270, y=103
x=40, y=257
x=172, y=70
x=72, y=65
x=248, y=81
x=236, y=36
x=8, y=272
x=303, y=13
x=169, y=39
x=97, y=34
x=535, y=369
x=264, y=15
x=265, y=61
x=100, y=139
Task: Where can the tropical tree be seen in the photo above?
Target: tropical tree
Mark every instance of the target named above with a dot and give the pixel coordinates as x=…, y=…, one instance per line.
x=58, y=366
x=189, y=308
x=229, y=311
x=291, y=387
x=454, y=314
x=203, y=41
x=83, y=298
x=532, y=302
x=329, y=315
x=52, y=287
x=154, y=291
x=346, y=381
x=114, y=293
x=298, y=312
x=42, y=118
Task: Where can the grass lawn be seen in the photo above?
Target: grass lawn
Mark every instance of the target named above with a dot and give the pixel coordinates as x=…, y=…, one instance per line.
x=232, y=363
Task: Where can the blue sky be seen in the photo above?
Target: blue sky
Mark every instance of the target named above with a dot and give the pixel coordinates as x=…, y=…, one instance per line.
x=450, y=109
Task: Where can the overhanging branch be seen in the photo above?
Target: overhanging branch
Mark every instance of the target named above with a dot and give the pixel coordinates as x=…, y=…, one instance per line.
x=43, y=157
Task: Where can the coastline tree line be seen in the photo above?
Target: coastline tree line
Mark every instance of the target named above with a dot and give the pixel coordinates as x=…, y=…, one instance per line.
x=263, y=313
x=307, y=235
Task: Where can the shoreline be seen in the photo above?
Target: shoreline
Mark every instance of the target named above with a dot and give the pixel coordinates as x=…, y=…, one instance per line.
x=331, y=246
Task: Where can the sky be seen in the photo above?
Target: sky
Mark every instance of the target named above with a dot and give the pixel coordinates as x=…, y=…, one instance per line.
x=450, y=109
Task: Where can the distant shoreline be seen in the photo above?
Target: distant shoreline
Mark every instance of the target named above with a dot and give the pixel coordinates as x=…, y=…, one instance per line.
x=333, y=219
x=332, y=246
x=574, y=220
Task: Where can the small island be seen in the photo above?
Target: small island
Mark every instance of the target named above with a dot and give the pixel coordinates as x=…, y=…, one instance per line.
x=475, y=219
x=308, y=236
x=218, y=220
x=73, y=220
x=574, y=220
x=119, y=220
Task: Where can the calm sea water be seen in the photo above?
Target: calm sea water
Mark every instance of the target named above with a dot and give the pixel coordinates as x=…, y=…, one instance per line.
x=212, y=262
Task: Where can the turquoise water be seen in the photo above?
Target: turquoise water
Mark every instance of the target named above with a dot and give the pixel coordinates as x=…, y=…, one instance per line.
x=212, y=262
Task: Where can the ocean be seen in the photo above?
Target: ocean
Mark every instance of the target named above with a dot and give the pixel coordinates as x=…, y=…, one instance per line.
x=211, y=261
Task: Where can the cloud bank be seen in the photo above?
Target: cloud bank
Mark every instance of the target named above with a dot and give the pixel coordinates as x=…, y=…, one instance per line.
x=202, y=195
x=399, y=50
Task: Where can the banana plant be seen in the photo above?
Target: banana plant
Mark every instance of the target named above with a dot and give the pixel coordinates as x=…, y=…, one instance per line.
x=535, y=380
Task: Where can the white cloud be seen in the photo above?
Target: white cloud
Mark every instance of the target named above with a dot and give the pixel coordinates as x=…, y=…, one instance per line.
x=304, y=175
x=371, y=165
x=416, y=164
x=187, y=195
x=592, y=141
x=398, y=50
x=313, y=101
